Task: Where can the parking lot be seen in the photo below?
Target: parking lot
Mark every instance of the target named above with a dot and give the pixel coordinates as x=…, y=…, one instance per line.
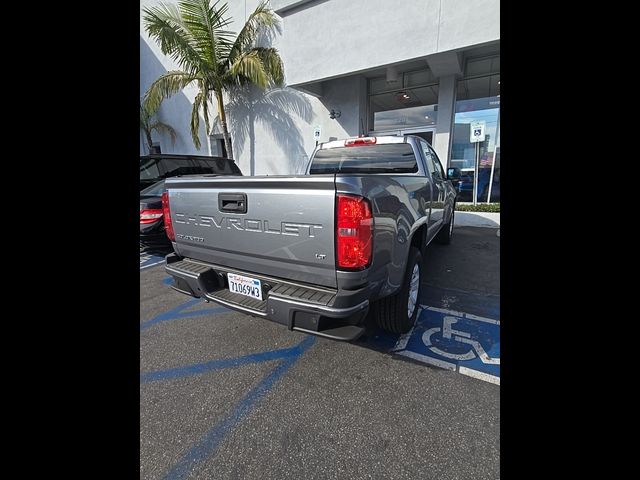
x=225, y=395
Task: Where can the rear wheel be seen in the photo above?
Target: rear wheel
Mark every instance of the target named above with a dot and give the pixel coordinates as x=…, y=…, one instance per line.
x=397, y=313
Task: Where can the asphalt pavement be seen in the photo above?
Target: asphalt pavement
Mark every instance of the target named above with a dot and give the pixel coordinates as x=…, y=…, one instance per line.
x=228, y=396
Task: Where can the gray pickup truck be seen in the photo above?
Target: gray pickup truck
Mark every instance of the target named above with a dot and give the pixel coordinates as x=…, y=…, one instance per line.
x=317, y=251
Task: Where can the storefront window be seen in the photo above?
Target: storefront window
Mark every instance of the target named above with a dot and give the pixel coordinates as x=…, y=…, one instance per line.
x=410, y=102
x=478, y=101
x=406, y=117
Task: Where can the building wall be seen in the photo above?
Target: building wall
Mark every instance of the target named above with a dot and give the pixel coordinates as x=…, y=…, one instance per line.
x=273, y=131
x=328, y=38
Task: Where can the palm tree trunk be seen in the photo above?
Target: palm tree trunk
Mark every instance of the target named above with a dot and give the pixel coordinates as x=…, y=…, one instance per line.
x=252, y=143
x=223, y=122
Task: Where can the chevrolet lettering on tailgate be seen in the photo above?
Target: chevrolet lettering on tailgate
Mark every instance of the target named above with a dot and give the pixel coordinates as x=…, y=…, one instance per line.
x=249, y=225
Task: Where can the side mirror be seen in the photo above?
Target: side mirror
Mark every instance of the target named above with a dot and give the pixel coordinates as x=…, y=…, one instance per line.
x=453, y=173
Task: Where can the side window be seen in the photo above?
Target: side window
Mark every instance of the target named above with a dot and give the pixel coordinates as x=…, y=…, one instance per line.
x=430, y=160
x=437, y=163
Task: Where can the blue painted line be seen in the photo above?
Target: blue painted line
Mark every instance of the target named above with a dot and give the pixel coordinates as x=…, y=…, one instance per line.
x=168, y=281
x=220, y=364
x=211, y=441
x=212, y=311
x=177, y=313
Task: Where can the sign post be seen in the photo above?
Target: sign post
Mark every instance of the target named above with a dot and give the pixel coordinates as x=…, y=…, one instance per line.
x=477, y=136
x=475, y=174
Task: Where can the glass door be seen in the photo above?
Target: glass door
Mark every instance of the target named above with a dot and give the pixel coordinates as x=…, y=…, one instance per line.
x=422, y=132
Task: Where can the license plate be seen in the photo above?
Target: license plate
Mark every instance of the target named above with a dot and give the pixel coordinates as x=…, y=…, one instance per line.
x=247, y=286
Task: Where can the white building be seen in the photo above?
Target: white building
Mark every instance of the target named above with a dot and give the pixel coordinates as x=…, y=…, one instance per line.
x=427, y=67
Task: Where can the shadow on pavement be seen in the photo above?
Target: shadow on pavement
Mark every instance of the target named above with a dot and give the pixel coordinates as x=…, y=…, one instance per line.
x=463, y=276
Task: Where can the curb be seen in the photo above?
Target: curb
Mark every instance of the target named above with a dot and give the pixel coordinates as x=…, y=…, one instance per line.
x=477, y=219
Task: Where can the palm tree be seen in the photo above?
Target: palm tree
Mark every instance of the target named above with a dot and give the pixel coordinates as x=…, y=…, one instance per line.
x=193, y=33
x=149, y=122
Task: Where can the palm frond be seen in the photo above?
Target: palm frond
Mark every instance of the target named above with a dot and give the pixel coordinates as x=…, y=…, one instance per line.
x=161, y=127
x=249, y=67
x=165, y=86
x=165, y=24
x=144, y=117
x=206, y=23
x=262, y=18
x=272, y=64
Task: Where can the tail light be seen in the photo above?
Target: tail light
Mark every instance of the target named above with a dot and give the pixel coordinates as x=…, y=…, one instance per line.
x=353, y=142
x=150, y=215
x=354, y=232
x=168, y=225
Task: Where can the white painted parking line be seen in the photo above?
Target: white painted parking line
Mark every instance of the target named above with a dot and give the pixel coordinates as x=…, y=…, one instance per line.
x=401, y=344
x=152, y=264
x=479, y=375
x=470, y=316
x=443, y=310
x=148, y=260
x=482, y=319
x=429, y=360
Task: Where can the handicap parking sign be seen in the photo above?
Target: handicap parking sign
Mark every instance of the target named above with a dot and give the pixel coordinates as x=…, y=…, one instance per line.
x=477, y=130
x=456, y=341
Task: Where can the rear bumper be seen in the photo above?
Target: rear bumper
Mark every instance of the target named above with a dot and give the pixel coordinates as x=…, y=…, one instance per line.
x=335, y=314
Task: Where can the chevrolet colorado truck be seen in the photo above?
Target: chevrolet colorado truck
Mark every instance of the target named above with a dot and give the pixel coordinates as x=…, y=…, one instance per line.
x=315, y=252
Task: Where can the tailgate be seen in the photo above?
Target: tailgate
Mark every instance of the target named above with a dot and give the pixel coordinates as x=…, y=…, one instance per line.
x=277, y=226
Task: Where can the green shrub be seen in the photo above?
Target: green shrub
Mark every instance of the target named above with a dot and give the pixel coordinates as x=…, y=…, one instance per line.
x=481, y=207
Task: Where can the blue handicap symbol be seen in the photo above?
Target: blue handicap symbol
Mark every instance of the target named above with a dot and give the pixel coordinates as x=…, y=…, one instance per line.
x=458, y=340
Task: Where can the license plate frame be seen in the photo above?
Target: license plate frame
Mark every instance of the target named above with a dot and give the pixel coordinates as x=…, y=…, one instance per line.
x=245, y=286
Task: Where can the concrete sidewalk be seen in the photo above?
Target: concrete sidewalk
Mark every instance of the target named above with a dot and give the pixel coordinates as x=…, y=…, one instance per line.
x=477, y=219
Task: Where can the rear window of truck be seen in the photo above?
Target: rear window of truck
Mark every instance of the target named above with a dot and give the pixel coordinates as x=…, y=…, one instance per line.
x=389, y=158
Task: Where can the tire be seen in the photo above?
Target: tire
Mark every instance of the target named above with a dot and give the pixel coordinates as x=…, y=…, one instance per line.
x=392, y=313
x=446, y=232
